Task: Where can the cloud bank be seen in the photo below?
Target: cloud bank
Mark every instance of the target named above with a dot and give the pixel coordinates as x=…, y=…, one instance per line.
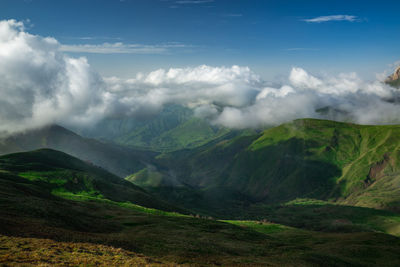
x=40, y=85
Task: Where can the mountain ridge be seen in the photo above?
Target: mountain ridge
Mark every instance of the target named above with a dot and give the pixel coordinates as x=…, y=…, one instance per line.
x=308, y=158
x=116, y=159
x=64, y=175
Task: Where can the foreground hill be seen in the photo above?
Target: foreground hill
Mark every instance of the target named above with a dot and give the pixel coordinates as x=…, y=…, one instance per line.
x=118, y=160
x=341, y=163
x=81, y=225
x=59, y=174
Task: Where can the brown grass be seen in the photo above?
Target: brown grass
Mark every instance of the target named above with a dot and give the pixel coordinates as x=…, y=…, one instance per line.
x=17, y=251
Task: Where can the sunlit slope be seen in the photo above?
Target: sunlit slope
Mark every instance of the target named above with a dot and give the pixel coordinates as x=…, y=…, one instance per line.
x=308, y=158
x=62, y=175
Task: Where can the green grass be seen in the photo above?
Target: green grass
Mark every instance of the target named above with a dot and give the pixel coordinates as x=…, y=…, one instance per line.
x=49, y=177
x=94, y=196
x=355, y=165
x=146, y=178
x=328, y=217
x=395, y=83
x=259, y=226
x=36, y=225
x=286, y=195
x=192, y=133
x=173, y=129
x=65, y=175
x=82, y=195
x=119, y=160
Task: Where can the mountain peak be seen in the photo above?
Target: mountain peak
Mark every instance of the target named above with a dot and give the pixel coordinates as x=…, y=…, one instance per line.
x=394, y=77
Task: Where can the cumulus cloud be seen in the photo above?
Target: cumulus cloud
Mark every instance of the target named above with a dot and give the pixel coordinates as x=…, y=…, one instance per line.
x=40, y=85
x=332, y=18
x=236, y=97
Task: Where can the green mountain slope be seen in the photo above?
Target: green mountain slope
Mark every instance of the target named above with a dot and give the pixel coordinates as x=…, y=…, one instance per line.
x=38, y=225
x=64, y=175
x=116, y=159
x=174, y=128
x=338, y=162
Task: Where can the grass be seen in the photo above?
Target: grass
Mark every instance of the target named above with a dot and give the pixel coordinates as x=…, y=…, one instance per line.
x=190, y=241
x=328, y=217
x=35, y=225
x=128, y=232
x=20, y=251
x=259, y=226
x=65, y=175
x=49, y=177
x=173, y=129
x=88, y=196
x=91, y=212
x=354, y=165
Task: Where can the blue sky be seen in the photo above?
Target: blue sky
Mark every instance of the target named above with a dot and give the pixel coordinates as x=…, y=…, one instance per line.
x=268, y=36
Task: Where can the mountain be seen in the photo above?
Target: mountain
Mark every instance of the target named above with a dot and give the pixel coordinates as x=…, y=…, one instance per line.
x=394, y=79
x=341, y=163
x=174, y=128
x=58, y=210
x=116, y=159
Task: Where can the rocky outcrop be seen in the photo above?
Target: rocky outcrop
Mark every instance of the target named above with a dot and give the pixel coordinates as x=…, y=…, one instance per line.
x=394, y=77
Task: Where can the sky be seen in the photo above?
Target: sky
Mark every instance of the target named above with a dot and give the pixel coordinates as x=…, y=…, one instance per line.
x=237, y=64
x=123, y=37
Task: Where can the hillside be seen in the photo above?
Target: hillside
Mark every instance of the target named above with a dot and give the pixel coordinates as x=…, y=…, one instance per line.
x=60, y=174
x=173, y=128
x=116, y=159
x=337, y=162
x=54, y=211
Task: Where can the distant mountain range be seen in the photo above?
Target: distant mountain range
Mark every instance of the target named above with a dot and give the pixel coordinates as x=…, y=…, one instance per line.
x=119, y=160
x=173, y=128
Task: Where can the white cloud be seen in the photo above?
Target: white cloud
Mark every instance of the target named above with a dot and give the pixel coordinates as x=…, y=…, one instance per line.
x=301, y=49
x=194, y=1
x=120, y=48
x=233, y=15
x=40, y=85
x=202, y=85
x=236, y=97
x=333, y=18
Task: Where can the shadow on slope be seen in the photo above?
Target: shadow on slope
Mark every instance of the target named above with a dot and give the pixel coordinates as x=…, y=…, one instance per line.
x=62, y=174
x=116, y=159
x=29, y=210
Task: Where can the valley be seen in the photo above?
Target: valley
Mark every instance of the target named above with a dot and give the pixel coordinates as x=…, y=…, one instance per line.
x=309, y=191
x=199, y=133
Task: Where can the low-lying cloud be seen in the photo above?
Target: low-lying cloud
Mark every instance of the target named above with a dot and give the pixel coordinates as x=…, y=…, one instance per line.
x=40, y=85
